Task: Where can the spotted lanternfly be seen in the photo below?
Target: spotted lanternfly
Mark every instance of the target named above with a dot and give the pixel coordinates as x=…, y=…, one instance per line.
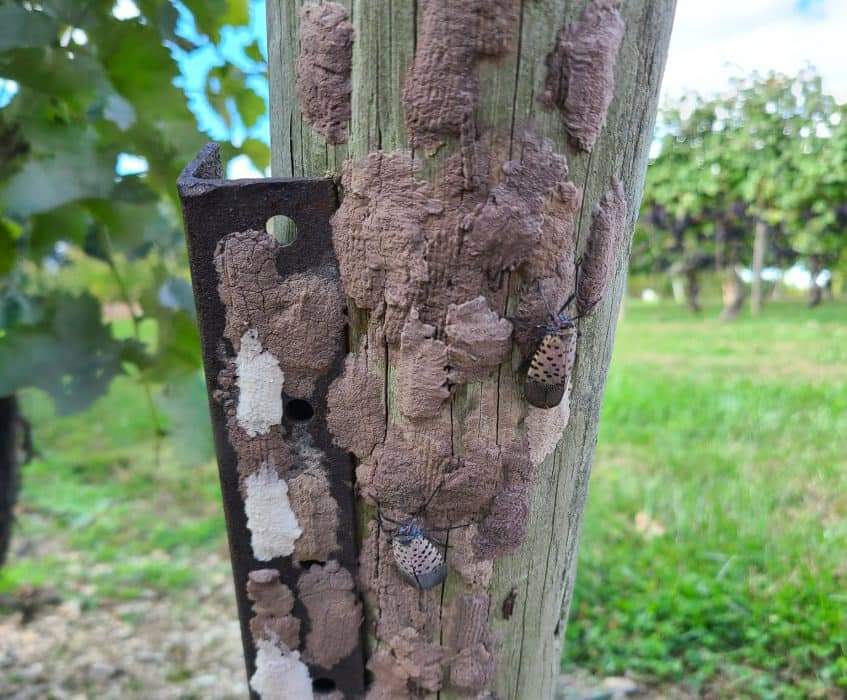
x=419, y=558
x=551, y=364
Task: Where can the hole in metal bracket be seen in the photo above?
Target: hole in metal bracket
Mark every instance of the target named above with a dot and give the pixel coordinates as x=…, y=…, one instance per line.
x=299, y=410
x=323, y=685
x=283, y=229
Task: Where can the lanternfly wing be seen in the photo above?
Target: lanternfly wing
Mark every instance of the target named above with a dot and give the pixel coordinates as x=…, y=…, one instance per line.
x=550, y=368
x=420, y=561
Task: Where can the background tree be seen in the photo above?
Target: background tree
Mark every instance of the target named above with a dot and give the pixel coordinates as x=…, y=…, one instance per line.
x=751, y=177
x=814, y=228
x=94, y=129
x=690, y=200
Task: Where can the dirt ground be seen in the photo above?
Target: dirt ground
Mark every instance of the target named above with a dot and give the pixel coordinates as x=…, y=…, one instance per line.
x=160, y=648
x=182, y=647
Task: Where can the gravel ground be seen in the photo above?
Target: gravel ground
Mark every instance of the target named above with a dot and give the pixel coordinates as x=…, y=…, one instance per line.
x=160, y=648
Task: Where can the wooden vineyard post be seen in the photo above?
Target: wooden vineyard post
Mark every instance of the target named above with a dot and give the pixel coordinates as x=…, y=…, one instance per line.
x=488, y=158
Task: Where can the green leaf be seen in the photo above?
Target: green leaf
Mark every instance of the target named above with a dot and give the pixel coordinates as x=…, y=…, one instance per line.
x=52, y=71
x=178, y=350
x=76, y=109
x=20, y=28
x=79, y=171
x=9, y=235
x=254, y=52
x=176, y=294
x=164, y=16
x=119, y=111
x=237, y=13
x=185, y=404
x=258, y=152
x=218, y=101
x=134, y=189
x=16, y=307
x=67, y=223
x=212, y=15
x=134, y=228
x=141, y=70
x=70, y=353
x=251, y=106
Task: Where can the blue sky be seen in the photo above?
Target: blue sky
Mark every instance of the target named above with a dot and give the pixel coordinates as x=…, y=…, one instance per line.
x=195, y=65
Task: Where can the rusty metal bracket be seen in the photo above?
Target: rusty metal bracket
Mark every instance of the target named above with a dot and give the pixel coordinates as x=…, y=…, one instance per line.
x=214, y=207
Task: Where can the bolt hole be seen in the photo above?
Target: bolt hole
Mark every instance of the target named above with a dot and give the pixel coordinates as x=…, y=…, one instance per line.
x=299, y=410
x=323, y=685
x=309, y=563
x=283, y=229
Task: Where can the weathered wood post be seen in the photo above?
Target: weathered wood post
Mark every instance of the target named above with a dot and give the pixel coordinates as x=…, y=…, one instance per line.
x=489, y=157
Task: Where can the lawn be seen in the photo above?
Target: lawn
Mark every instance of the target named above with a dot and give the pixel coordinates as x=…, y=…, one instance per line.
x=100, y=516
x=714, y=545
x=713, y=553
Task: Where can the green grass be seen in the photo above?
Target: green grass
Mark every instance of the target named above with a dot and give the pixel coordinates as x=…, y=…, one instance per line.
x=715, y=540
x=715, y=535
x=103, y=519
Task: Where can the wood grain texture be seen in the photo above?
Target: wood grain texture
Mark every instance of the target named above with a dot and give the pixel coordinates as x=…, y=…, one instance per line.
x=542, y=572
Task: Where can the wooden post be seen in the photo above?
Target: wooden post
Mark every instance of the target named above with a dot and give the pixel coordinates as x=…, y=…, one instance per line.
x=470, y=112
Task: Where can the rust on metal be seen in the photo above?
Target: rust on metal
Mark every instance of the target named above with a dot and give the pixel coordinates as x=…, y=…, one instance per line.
x=214, y=208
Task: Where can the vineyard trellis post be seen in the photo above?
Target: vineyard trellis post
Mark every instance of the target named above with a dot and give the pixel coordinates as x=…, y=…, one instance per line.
x=404, y=522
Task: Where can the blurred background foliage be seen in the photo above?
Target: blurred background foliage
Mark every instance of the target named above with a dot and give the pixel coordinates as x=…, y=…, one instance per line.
x=769, y=152
x=95, y=126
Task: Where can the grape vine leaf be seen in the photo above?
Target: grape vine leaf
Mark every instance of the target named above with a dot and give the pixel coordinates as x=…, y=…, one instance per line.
x=69, y=353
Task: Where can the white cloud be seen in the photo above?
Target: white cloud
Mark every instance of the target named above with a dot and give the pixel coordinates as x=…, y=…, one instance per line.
x=714, y=41
x=242, y=167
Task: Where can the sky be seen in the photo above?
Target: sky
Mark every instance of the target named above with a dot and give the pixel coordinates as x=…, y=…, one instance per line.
x=715, y=40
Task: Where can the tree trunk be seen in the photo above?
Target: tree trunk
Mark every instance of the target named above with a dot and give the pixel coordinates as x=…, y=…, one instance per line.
x=692, y=290
x=523, y=599
x=720, y=245
x=733, y=294
x=815, y=291
x=760, y=245
x=15, y=449
x=678, y=289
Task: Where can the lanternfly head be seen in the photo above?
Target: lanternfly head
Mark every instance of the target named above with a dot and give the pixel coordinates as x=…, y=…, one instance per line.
x=559, y=324
x=408, y=532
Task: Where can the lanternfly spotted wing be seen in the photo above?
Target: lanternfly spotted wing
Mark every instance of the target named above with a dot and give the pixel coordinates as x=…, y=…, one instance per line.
x=551, y=364
x=418, y=557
